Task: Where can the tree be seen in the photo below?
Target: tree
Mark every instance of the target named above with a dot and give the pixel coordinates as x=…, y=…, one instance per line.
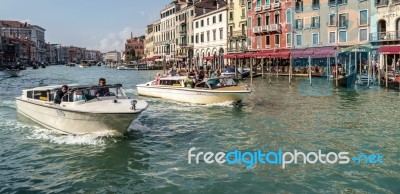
x=132, y=54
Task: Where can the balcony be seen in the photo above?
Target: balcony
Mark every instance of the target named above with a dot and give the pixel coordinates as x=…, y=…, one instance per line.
x=384, y=36
x=276, y=5
x=257, y=9
x=242, y=2
x=274, y=28
x=238, y=33
x=265, y=28
x=182, y=31
x=257, y=29
x=182, y=20
x=396, y=2
x=182, y=44
x=381, y=3
x=266, y=7
x=231, y=5
x=315, y=6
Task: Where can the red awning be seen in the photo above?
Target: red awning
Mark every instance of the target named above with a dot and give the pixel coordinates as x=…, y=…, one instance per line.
x=230, y=56
x=264, y=54
x=281, y=53
x=324, y=52
x=208, y=58
x=389, y=50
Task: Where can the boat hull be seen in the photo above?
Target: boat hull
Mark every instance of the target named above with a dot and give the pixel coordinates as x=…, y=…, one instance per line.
x=195, y=96
x=12, y=73
x=75, y=122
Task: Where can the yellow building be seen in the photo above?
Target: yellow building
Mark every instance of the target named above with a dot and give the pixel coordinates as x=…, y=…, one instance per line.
x=237, y=26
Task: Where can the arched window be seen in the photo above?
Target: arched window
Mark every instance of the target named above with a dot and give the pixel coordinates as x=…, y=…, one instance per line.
x=289, y=16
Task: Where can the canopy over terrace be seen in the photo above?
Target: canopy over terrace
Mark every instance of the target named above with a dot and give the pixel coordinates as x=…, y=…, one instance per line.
x=389, y=50
x=357, y=48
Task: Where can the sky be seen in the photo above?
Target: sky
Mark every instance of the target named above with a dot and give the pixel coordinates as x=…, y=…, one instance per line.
x=93, y=24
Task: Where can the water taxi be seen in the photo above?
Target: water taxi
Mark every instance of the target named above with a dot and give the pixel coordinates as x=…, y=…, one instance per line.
x=208, y=91
x=83, y=112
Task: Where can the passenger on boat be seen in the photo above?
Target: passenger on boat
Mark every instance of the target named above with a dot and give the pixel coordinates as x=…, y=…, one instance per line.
x=103, y=90
x=213, y=81
x=157, y=79
x=188, y=81
x=61, y=95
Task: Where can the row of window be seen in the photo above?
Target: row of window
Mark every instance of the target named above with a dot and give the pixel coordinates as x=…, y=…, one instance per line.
x=199, y=38
x=214, y=20
x=343, y=19
x=363, y=36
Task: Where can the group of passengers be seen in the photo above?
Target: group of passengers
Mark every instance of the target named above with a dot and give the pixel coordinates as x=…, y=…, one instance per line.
x=63, y=95
x=193, y=77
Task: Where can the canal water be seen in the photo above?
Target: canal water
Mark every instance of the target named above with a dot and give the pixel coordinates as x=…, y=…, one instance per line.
x=153, y=156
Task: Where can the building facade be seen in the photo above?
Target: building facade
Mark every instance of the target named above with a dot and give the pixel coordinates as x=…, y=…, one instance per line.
x=269, y=25
x=134, y=49
x=184, y=32
x=168, y=33
x=237, y=26
x=149, y=43
x=210, y=32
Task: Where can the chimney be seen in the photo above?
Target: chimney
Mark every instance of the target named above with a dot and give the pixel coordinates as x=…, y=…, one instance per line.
x=217, y=5
x=204, y=10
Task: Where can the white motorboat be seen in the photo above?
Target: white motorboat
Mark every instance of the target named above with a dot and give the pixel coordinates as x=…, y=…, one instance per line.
x=12, y=72
x=84, y=64
x=174, y=88
x=83, y=112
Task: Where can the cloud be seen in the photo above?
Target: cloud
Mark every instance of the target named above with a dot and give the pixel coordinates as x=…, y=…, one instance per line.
x=116, y=40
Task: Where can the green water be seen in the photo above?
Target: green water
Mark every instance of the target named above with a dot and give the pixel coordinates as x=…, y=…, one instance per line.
x=152, y=157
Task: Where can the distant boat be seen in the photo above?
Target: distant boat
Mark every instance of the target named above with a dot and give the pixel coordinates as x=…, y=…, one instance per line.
x=209, y=91
x=346, y=81
x=12, y=72
x=84, y=64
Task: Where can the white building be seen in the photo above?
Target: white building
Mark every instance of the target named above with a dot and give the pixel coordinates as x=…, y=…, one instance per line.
x=167, y=28
x=112, y=57
x=37, y=36
x=210, y=33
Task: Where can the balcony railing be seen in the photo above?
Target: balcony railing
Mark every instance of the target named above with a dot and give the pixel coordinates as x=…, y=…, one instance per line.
x=274, y=27
x=239, y=33
x=258, y=8
x=182, y=31
x=315, y=6
x=276, y=5
x=381, y=3
x=395, y=1
x=384, y=36
x=231, y=5
x=257, y=29
x=183, y=44
x=266, y=7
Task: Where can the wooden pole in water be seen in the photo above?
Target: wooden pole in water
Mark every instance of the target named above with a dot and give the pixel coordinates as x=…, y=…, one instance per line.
x=236, y=61
x=386, y=71
x=270, y=69
x=336, y=70
x=290, y=69
x=360, y=62
x=327, y=68
x=309, y=69
x=262, y=68
x=277, y=67
x=369, y=66
x=251, y=70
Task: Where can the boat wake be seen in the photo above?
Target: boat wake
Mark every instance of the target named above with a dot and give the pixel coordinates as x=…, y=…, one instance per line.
x=8, y=103
x=38, y=133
